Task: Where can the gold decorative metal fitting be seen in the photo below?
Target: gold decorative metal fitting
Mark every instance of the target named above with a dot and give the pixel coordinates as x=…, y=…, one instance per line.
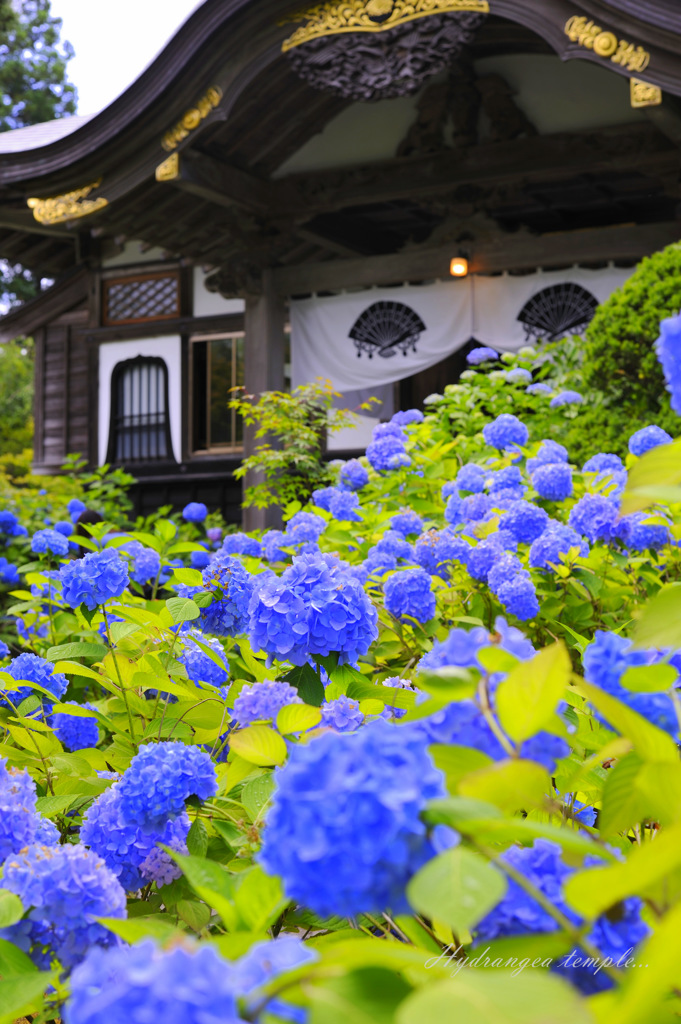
x=70, y=206
x=605, y=44
x=169, y=170
x=643, y=94
x=193, y=117
x=340, y=16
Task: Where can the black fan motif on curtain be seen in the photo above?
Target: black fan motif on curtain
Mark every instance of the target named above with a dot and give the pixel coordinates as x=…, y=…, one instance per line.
x=556, y=311
x=387, y=328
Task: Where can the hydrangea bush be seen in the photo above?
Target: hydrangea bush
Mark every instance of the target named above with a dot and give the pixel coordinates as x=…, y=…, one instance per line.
x=412, y=757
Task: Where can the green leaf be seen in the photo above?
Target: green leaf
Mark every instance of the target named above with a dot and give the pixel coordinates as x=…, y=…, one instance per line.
x=370, y=995
x=593, y=891
x=298, y=718
x=457, y=762
x=196, y=915
x=650, y=476
x=22, y=995
x=190, y=577
x=513, y=785
x=644, y=990
x=651, y=743
x=75, y=710
x=182, y=609
x=259, y=744
x=197, y=838
x=11, y=909
x=211, y=883
x=495, y=997
x=133, y=929
x=527, y=698
x=649, y=678
x=259, y=899
x=308, y=684
x=622, y=803
x=496, y=659
x=14, y=961
x=77, y=650
x=458, y=887
x=659, y=624
x=256, y=793
x=51, y=805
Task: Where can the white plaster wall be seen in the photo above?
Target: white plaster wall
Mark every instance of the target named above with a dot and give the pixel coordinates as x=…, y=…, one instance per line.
x=132, y=252
x=113, y=352
x=212, y=303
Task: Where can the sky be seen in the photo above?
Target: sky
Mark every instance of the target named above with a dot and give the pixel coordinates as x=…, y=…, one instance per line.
x=114, y=41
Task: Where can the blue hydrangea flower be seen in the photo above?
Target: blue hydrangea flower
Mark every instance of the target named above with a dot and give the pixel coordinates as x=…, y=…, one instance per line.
x=160, y=780
x=272, y=542
x=408, y=595
x=506, y=431
x=67, y=888
x=143, y=983
x=602, y=462
x=502, y=479
x=387, y=453
x=483, y=557
x=540, y=388
x=32, y=669
x=241, y=544
x=47, y=833
x=307, y=527
x=505, y=568
x=406, y=522
x=555, y=541
x=595, y=517
x=342, y=714
x=9, y=573
x=393, y=543
x=76, y=733
x=146, y=563
x=353, y=475
x=19, y=820
x=194, y=512
x=471, y=477
x=566, y=398
x=396, y=683
x=64, y=527
x=525, y=521
x=344, y=506
x=406, y=417
x=94, y=579
x=605, y=661
x=214, y=534
x=518, y=375
x=123, y=847
x=519, y=597
x=549, y=452
x=553, y=482
x=472, y=508
x=388, y=430
x=200, y=667
x=227, y=615
x=435, y=550
x=75, y=508
x=448, y=489
x=8, y=523
x=518, y=913
x=44, y=541
x=315, y=607
x=4, y=649
x=322, y=497
x=262, y=702
x=668, y=349
x=481, y=355
x=344, y=830
x=461, y=647
x=198, y=559
x=646, y=438
x=638, y=534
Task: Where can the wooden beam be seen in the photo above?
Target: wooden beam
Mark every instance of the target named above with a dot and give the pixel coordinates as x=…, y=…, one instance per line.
x=220, y=183
x=507, y=252
x=20, y=220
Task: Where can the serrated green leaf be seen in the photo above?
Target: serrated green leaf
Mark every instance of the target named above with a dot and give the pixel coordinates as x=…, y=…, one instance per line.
x=259, y=899
x=308, y=684
x=527, y=698
x=182, y=609
x=134, y=929
x=649, y=678
x=458, y=887
x=211, y=883
x=259, y=744
x=77, y=650
x=513, y=785
x=256, y=793
x=22, y=995
x=298, y=718
x=651, y=743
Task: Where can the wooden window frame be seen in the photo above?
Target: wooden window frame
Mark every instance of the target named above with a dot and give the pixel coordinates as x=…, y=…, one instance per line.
x=114, y=413
x=155, y=275
x=218, y=449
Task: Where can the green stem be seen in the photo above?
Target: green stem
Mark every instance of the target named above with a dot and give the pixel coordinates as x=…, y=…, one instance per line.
x=118, y=674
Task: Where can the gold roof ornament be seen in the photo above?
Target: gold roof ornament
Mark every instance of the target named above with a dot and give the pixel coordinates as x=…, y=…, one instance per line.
x=69, y=206
x=340, y=16
x=643, y=94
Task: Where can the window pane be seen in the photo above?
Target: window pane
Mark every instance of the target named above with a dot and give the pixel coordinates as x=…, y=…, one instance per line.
x=239, y=382
x=139, y=420
x=220, y=383
x=199, y=395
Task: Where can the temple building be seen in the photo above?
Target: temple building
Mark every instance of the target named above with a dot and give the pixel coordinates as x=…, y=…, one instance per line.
x=360, y=191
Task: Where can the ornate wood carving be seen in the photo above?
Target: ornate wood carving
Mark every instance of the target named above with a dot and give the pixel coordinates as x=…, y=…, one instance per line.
x=507, y=120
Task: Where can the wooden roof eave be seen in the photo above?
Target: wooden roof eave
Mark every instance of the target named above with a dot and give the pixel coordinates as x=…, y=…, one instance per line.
x=69, y=291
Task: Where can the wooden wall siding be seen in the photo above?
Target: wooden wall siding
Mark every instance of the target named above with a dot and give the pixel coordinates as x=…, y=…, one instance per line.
x=63, y=416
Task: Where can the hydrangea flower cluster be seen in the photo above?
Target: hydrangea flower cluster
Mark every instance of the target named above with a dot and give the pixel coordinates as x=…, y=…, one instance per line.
x=125, y=848
x=19, y=820
x=406, y=417
x=406, y=522
x=668, y=349
x=10, y=525
x=49, y=542
x=594, y=517
x=307, y=527
x=387, y=452
x=67, y=888
x=146, y=563
x=227, y=615
x=241, y=544
x=518, y=913
x=344, y=506
x=483, y=354
x=314, y=607
x=646, y=438
x=9, y=573
x=566, y=398
x=200, y=667
x=344, y=829
x=435, y=550
x=408, y=595
x=470, y=477
x=262, y=702
x=553, y=482
x=33, y=669
x=506, y=431
x=194, y=512
x=76, y=732
x=556, y=540
x=94, y=579
x=342, y=714
x=353, y=475
x=160, y=780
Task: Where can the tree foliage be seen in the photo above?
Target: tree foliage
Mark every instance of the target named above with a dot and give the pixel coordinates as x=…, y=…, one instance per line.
x=33, y=59
x=16, y=396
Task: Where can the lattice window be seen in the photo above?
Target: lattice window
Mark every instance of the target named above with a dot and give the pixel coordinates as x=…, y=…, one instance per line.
x=140, y=429
x=556, y=311
x=134, y=300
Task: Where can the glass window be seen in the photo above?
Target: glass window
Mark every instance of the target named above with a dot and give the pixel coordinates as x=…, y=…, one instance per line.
x=139, y=430
x=217, y=365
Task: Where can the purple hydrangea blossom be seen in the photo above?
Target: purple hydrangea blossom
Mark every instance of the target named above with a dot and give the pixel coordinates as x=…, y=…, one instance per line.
x=262, y=702
x=342, y=714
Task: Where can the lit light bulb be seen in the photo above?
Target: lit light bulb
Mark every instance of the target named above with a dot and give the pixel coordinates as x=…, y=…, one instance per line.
x=458, y=267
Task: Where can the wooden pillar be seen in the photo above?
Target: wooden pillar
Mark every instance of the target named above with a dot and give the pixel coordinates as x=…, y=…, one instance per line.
x=263, y=371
